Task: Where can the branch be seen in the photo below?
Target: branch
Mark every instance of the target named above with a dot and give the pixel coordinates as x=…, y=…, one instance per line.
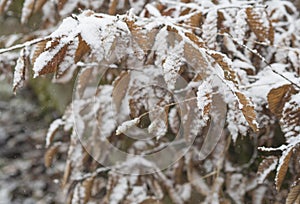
x=19, y=46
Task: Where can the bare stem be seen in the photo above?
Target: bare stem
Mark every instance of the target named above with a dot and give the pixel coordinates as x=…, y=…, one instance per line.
x=19, y=46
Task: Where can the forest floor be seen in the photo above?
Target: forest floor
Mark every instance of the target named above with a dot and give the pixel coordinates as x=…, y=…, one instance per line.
x=23, y=176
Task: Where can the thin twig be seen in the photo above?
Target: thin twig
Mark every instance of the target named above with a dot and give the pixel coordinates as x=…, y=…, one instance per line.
x=19, y=46
x=263, y=59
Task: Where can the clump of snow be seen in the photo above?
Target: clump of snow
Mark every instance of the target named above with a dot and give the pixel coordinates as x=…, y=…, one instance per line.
x=52, y=129
x=119, y=192
x=268, y=80
x=126, y=125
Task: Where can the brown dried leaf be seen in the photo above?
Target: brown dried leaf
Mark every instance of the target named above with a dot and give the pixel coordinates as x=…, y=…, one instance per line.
x=195, y=20
x=191, y=123
x=87, y=185
x=178, y=171
x=222, y=60
x=145, y=40
x=120, y=88
x=52, y=65
x=194, y=38
x=112, y=10
x=260, y=24
x=294, y=194
x=278, y=97
x=67, y=173
x=50, y=153
x=283, y=167
x=195, y=59
x=39, y=48
x=82, y=49
x=248, y=110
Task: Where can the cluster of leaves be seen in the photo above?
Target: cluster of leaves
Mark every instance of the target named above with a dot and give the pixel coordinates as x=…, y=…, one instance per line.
x=241, y=53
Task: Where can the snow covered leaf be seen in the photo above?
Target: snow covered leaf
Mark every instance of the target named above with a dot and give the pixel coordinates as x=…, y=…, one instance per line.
x=87, y=185
x=240, y=26
x=52, y=130
x=277, y=97
x=144, y=39
x=81, y=50
x=290, y=121
x=192, y=122
x=245, y=104
x=57, y=55
x=195, y=20
x=194, y=53
x=171, y=65
x=41, y=47
x=204, y=99
x=260, y=24
x=174, y=120
x=19, y=74
x=48, y=62
x=226, y=65
x=236, y=122
x=210, y=28
x=265, y=167
x=247, y=108
x=283, y=166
